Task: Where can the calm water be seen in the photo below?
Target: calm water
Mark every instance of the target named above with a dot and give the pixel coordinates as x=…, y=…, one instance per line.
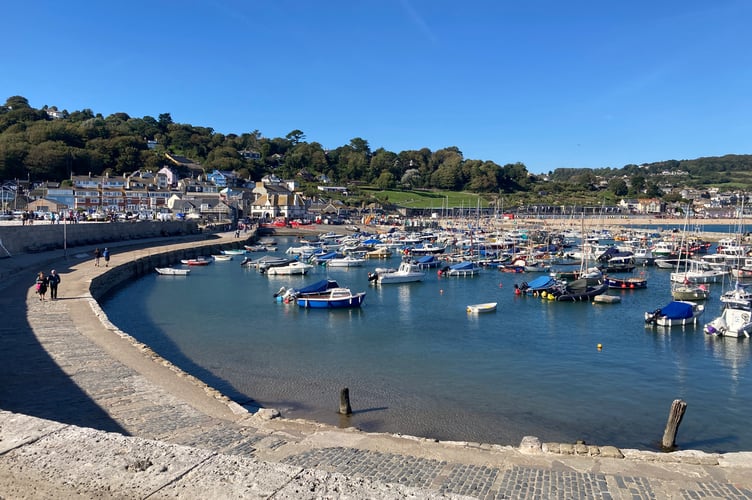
x=416, y=363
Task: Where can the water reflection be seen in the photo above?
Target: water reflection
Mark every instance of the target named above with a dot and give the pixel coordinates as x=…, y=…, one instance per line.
x=732, y=353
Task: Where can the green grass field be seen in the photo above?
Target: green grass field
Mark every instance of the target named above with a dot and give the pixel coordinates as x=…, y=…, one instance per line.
x=428, y=199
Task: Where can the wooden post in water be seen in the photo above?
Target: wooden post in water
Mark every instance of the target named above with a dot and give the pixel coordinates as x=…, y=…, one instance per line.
x=678, y=407
x=344, y=402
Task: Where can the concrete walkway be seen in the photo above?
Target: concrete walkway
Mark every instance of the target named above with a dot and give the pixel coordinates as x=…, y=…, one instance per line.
x=88, y=412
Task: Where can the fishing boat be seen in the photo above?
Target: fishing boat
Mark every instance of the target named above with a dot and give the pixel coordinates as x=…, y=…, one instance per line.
x=482, y=308
x=467, y=268
x=171, y=271
x=293, y=268
x=629, y=283
x=676, y=313
x=736, y=315
x=405, y=273
x=335, y=298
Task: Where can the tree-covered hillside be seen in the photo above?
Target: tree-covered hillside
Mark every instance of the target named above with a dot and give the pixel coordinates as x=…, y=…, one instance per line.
x=48, y=144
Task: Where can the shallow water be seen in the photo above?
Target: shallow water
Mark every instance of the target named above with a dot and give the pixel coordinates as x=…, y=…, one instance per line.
x=416, y=363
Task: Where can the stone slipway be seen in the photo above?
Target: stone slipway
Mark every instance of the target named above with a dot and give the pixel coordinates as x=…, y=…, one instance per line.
x=88, y=412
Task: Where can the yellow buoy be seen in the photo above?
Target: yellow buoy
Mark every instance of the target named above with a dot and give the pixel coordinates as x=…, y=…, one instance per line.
x=600, y=346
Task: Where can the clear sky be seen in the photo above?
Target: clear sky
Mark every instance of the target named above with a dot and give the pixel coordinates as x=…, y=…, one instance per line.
x=549, y=83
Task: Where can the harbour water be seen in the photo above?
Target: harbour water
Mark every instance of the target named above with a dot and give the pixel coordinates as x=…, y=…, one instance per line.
x=417, y=363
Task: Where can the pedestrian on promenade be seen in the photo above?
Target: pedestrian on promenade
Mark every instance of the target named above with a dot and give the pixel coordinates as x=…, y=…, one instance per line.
x=97, y=254
x=106, y=255
x=54, y=280
x=41, y=285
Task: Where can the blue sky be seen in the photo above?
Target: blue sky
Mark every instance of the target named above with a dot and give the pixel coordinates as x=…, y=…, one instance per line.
x=547, y=83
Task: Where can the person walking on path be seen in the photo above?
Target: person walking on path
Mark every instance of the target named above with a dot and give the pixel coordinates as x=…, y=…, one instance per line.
x=97, y=254
x=54, y=280
x=41, y=285
x=106, y=255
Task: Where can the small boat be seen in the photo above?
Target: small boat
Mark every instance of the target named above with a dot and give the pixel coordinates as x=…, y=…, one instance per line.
x=287, y=295
x=266, y=262
x=405, y=273
x=379, y=253
x=335, y=298
x=460, y=269
x=736, y=315
x=630, y=283
x=676, y=313
x=583, y=289
x=482, y=308
x=346, y=261
x=240, y=251
x=607, y=299
x=198, y=261
x=222, y=257
x=427, y=261
x=293, y=268
x=536, y=286
x=681, y=291
x=426, y=249
x=171, y=271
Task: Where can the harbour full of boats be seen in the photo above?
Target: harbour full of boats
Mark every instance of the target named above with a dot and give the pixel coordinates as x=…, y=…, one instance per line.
x=450, y=296
x=563, y=266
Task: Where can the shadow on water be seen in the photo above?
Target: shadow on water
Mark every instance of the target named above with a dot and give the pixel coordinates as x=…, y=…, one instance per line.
x=157, y=340
x=31, y=382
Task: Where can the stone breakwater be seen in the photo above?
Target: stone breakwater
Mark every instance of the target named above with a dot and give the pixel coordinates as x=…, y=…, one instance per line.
x=186, y=440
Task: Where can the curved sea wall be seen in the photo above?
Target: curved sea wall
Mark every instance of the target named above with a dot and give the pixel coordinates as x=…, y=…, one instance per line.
x=42, y=237
x=163, y=256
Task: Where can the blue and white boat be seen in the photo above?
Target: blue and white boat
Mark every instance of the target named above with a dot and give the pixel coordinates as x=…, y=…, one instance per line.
x=427, y=261
x=335, y=298
x=675, y=313
x=460, y=269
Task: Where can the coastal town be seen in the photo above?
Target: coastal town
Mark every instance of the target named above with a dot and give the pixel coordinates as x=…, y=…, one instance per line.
x=184, y=189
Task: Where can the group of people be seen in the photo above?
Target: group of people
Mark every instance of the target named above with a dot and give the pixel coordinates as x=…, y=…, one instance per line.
x=50, y=282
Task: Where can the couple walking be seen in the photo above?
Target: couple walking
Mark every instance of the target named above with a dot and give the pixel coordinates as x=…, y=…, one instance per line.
x=97, y=255
x=44, y=282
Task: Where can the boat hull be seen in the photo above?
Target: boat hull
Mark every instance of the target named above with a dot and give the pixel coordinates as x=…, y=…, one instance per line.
x=327, y=302
x=482, y=308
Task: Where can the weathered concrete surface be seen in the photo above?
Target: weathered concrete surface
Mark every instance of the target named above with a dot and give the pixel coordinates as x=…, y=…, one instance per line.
x=173, y=436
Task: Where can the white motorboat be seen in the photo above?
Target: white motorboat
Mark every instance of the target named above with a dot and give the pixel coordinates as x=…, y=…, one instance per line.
x=222, y=257
x=736, y=315
x=290, y=269
x=676, y=313
x=171, y=271
x=406, y=273
x=346, y=261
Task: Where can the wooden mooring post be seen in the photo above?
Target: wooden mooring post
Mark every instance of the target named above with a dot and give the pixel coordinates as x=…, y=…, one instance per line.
x=344, y=402
x=678, y=407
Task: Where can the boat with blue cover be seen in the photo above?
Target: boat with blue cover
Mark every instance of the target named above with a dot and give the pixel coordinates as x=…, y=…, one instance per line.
x=468, y=268
x=536, y=286
x=335, y=298
x=676, y=313
x=427, y=261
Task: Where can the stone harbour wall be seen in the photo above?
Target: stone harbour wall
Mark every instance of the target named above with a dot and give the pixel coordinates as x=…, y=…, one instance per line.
x=43, y=236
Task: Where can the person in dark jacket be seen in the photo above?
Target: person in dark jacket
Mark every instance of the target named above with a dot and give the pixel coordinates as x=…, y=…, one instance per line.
x=54, y=280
